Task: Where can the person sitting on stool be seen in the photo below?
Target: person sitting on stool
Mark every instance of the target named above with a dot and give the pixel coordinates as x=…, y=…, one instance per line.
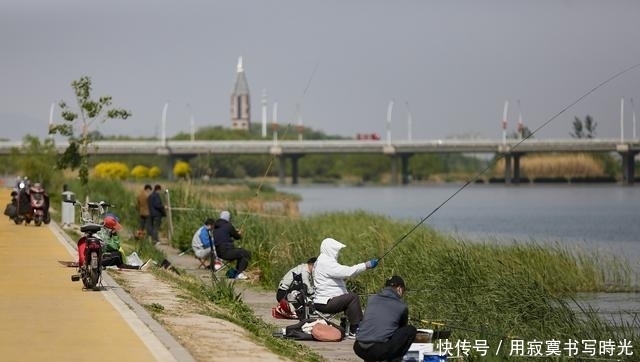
x=224, y=234
x=329, y=276
x=202, y=243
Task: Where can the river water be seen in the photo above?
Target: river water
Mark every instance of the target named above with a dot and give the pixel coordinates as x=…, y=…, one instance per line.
x=602, y=218
x=606, y=217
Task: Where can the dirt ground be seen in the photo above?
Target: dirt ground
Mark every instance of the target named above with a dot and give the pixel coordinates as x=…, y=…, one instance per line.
x=212, y=339
x=206, y=338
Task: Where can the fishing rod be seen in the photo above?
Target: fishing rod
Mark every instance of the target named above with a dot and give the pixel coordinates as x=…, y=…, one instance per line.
x=500, y=156
x=304, y=92
x=270, y=164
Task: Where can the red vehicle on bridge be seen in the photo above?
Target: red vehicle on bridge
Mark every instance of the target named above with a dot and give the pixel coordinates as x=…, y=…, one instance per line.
x=368, y=136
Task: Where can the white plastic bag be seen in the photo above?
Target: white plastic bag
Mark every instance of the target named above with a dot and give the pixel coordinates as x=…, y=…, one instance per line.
x=134, y=259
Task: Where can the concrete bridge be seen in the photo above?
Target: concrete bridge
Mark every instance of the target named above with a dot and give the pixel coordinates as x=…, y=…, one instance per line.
x=398, y=151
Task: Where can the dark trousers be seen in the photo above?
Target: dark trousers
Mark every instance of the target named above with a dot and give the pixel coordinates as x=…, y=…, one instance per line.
x=240, y=255
x=280, y=294
x=154, y=227
x=392, y=350
x=348, y=303
x=143, y=222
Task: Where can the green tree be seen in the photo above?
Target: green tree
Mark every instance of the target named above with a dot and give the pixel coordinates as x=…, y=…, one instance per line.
x=89, y=110
x=586, y=129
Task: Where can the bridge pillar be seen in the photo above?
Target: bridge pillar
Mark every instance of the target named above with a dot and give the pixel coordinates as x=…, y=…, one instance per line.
x=281, y=174
x=394, y=170
x=628, y=167
x=294, y=168
x=405, y=167
x=171, y=161
x=516, y=168
x=507, y=168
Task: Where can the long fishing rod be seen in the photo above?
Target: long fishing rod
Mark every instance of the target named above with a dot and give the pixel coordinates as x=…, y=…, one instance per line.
x=475, y=178
x=270, y=164
x=304, y=92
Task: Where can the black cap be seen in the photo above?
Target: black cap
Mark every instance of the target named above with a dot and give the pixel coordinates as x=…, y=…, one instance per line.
x=209, y=221
x=395, y=281
x=312, y=260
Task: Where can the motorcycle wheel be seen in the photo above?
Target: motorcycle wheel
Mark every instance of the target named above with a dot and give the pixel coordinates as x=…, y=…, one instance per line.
x=47, y=219
x=17, y=220
x=94, y=271
x=38, y=220
x=86, y=277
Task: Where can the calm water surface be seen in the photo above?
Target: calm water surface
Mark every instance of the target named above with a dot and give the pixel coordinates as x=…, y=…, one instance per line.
x=605, y=217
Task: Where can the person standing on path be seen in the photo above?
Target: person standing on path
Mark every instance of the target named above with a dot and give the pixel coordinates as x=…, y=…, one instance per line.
x=142, y=206
x=156, y=212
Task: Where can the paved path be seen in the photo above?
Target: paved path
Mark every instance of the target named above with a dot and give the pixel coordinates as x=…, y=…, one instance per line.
x=261, y=302
x=46, y=317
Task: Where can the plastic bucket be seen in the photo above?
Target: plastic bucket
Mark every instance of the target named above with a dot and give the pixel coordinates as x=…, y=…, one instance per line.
x=434, y=357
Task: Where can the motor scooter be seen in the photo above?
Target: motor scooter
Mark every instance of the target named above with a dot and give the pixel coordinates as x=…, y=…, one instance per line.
x=90, y=245
x=89, y=257
x=30, y=203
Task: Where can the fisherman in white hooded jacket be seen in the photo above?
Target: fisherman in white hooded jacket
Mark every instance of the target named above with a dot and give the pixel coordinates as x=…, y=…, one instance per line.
x=329, y=277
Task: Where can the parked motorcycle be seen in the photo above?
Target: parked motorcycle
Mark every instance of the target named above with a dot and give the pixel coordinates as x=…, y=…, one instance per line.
x=17, y=193
x=89, y=257
x=29, y=203
x=39, y=205
x=90, y=245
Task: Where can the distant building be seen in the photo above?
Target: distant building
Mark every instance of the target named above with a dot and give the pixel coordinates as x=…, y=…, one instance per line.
x=240, y=101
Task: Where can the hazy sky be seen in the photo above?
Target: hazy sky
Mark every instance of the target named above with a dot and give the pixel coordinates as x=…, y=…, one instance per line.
x=454, y=63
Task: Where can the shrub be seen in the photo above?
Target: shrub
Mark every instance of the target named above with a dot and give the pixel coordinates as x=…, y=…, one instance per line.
x=140, y=172
x=111, y=170
x=155, y=172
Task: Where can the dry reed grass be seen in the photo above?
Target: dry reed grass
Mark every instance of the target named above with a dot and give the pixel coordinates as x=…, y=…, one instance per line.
x=579, y=165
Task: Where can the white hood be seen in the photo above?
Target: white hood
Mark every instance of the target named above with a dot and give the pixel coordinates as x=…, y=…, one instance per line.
x=331, y=248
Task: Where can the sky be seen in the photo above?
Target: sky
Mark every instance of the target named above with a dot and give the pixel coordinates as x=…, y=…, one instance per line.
x=451, y=64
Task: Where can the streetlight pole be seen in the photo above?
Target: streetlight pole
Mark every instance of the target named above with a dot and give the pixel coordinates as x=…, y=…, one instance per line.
x=389, y=111
x=409, y=121
x=504, y=122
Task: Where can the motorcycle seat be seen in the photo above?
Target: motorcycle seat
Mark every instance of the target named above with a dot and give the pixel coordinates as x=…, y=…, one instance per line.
x=90, y=228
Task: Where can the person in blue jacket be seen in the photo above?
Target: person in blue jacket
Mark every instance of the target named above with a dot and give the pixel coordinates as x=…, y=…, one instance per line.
x=202, y=243
x=385, y=333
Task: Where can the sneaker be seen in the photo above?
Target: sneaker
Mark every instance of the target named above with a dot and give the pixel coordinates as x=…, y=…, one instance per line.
x=351, y=335
x=242, y=276
x=146, y=265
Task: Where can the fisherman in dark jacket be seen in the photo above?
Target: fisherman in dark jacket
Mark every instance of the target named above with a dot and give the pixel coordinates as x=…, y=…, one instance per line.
x=156, y=213
x=224, y=235
x=384, y=333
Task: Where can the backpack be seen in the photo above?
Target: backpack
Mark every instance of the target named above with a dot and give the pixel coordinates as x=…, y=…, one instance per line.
x=315, y=330
x=11, y=210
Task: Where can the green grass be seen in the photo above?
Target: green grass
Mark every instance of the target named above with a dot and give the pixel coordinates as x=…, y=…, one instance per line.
x=478, y=290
